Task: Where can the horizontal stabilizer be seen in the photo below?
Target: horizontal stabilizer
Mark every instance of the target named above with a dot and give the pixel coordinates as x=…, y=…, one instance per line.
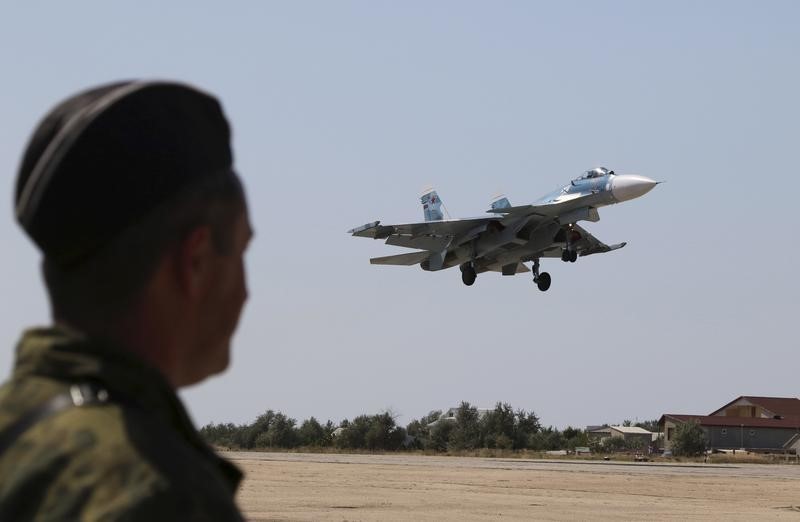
x=409, y=259
x=601, y=248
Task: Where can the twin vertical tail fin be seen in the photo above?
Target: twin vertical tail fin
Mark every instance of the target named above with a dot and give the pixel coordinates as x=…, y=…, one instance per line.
x=432, y=206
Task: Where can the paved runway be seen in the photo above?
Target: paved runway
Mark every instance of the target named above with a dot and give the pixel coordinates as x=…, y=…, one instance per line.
x=290, y=486
x=584, y=466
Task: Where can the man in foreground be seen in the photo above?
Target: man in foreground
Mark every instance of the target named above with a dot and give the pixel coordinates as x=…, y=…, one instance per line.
x=128, y=191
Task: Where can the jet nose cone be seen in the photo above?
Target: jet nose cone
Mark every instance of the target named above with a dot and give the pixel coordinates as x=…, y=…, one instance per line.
x=631, y=186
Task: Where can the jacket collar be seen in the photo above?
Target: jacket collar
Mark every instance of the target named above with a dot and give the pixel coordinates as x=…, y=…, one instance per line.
x=68, y=355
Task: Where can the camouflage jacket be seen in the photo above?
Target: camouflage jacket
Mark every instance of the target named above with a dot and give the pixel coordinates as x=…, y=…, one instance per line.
x=130, y=454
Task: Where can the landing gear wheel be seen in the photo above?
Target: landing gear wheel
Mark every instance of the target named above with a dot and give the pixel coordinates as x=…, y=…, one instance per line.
x=569, y=255
x=543, y=281
x=468, y=275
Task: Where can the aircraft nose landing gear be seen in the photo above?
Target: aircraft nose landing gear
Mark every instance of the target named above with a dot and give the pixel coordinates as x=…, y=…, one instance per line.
x=570, y=254
x=542, y=280
x=468, y=274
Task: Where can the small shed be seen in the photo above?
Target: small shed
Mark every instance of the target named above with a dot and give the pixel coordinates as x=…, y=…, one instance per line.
x=633, y=433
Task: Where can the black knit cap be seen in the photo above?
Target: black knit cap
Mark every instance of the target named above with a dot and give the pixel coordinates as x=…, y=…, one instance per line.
x=104, y=158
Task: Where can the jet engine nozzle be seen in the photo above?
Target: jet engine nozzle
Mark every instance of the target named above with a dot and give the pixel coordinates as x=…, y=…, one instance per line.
x=631, y=186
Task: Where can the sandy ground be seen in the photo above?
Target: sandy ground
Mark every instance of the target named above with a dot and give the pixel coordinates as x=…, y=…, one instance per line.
x=281, y=486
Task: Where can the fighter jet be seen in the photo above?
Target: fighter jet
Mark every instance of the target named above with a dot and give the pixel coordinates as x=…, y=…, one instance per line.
x=511, y=235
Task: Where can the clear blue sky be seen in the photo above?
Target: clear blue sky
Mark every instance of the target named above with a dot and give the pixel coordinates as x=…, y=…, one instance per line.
x=344, y=111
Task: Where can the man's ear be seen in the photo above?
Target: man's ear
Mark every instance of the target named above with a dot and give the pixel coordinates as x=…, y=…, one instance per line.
x=194, y=257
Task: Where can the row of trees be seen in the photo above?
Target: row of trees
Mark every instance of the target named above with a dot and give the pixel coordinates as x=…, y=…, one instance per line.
x=500, y=428
x=276, y=430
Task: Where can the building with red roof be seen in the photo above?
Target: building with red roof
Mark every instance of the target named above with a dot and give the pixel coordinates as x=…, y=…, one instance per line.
x=765, y=424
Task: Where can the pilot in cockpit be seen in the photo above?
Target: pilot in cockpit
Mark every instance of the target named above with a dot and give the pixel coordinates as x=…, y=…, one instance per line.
x=596, y=173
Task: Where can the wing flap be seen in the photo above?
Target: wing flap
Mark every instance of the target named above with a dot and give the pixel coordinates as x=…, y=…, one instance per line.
x=448, y=227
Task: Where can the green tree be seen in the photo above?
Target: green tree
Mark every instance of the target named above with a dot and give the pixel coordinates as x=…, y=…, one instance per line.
x=570, y=432
x=616, y=444
x=354, y=433
x=547, y=439
x=224, y=435
x=467, y=431
x=329, y=428
x=421, y=429
x=613, y=444
x=688, y=439
x=383, y=434
x=649, y=425
x=498, y=427
x=280, y=434
x=373, y=432
x=431, y=417
x=574, y=437
x=248, y=433
x=440, y=435
x=312, y=433
x=527, y=424
x=419, y=433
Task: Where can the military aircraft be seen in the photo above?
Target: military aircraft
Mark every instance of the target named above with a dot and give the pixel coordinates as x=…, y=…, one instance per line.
x=512, y=235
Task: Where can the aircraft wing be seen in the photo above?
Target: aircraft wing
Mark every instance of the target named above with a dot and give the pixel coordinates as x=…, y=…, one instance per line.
x=567, y=209
x=552, y=209
x=374, y=230
x=588, y=244
x=433, y=236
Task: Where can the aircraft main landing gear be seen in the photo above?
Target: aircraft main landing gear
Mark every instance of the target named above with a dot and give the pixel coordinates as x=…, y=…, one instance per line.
x=568, y=255
x=468, y=274
x=542, y=280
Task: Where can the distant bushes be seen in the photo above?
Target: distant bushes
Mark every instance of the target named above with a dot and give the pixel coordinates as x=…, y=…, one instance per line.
x=467, y=428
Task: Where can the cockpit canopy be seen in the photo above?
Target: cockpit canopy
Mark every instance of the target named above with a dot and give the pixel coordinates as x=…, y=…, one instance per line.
x=596, y=173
